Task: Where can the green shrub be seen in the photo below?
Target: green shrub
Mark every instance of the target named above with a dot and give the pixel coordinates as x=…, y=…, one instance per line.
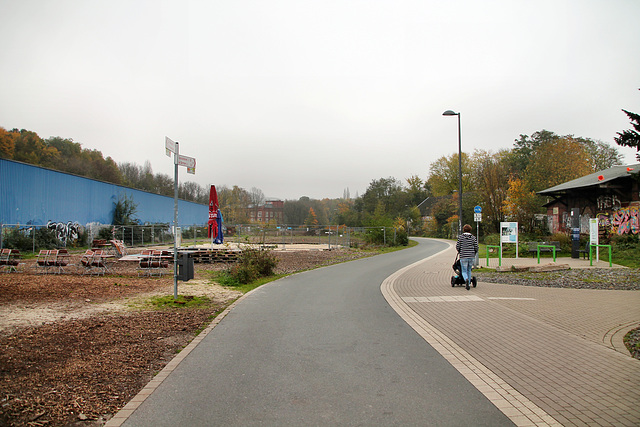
x=105, y=233
x=375, y=236
x=82, y=241
x=626, y=241
x=22, y=239
x=402, y=238
x=253, y=264
x=564, y=239
x=492, y=239
x=378, y=236
x=16, y=238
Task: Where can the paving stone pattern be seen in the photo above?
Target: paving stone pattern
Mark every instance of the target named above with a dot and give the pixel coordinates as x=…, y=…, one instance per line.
x=561, y=349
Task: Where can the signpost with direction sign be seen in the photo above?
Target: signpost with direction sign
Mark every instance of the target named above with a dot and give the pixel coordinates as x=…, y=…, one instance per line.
x=190, y=163
x=477, y=217
x=477, y=214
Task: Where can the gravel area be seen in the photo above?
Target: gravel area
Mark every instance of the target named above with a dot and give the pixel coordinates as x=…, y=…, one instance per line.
x=627, y=279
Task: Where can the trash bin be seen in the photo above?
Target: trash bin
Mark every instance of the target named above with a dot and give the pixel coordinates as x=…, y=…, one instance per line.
x=185, y=266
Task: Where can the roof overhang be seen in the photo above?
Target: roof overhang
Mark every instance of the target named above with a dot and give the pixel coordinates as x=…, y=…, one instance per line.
x=599, y=180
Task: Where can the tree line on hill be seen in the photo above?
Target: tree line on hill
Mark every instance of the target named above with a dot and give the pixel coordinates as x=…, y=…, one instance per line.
x=504, y=183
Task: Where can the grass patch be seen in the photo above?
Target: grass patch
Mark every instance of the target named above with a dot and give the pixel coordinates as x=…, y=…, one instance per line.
x=629, y=257
x=183, y=301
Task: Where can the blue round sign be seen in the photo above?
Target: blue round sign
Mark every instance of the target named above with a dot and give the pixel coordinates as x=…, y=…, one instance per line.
x=477, y=209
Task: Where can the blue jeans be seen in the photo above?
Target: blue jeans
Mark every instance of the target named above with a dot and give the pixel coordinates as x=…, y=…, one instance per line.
x=466, y=264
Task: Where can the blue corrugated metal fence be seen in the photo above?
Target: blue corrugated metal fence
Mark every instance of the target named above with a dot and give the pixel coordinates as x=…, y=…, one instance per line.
x=35, y=195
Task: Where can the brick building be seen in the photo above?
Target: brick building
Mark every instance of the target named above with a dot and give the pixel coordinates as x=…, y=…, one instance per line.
x=271, y=211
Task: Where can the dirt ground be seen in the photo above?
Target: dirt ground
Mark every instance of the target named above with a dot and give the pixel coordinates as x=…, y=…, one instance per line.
x=74, y=349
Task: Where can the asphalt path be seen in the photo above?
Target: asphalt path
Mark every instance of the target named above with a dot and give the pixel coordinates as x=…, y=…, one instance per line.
x=321, y=347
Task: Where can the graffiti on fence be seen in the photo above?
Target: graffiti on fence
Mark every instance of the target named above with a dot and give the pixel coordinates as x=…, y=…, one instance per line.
x=64, y=232
x=621, y=221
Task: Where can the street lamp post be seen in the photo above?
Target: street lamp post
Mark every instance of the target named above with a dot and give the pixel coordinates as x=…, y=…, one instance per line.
x=452, y=113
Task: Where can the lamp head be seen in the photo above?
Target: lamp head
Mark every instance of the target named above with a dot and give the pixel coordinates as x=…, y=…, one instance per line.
x=450, y=113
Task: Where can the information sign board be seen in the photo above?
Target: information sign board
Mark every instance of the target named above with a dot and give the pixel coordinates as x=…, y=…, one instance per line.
x=509, y=234
x=593, y=231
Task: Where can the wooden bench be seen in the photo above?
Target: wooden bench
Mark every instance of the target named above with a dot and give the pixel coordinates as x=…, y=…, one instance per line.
x=94, y=262
x=9, y=260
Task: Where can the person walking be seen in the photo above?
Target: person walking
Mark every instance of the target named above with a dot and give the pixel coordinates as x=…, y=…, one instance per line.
x=467, y=247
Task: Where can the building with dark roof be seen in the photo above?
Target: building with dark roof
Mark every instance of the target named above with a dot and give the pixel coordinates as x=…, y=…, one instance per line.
x=612, y=196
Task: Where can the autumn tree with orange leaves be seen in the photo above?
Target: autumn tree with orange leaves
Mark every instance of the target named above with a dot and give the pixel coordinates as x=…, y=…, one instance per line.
x=521, y=203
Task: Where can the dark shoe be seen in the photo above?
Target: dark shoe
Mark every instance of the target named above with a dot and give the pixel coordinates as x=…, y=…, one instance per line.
x=468, y=285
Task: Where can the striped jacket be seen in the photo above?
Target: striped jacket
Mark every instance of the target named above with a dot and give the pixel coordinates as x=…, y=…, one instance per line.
x=467, y=246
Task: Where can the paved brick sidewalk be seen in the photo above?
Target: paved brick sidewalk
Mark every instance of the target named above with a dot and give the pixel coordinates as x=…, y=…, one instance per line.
x=543, y=356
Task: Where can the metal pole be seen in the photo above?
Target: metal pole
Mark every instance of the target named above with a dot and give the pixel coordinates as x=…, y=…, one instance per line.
x=175, y=224
x=459, y=175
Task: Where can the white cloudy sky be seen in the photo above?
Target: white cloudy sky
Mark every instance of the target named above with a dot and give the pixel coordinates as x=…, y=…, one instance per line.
x=300, y=97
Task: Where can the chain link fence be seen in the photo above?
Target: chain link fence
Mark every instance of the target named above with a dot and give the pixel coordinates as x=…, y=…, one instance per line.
x=330, y=235
x=57, y=235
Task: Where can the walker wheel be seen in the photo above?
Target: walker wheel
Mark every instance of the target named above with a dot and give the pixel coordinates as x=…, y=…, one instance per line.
x=453, y=281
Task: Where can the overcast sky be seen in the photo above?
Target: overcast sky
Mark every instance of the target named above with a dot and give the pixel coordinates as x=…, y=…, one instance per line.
x=309, y=98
